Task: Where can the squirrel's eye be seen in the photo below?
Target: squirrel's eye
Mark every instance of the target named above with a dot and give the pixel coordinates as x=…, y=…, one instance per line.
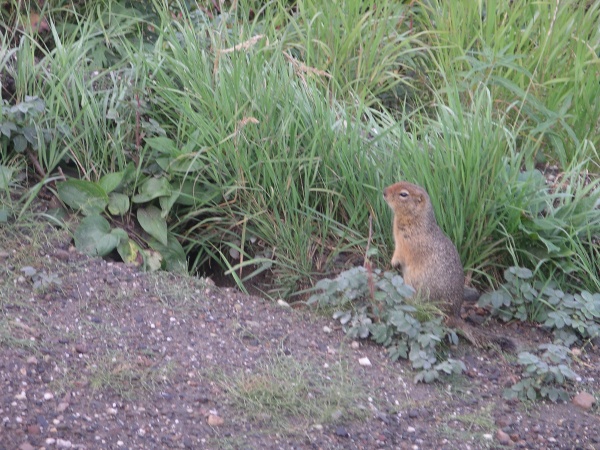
x=403, y=194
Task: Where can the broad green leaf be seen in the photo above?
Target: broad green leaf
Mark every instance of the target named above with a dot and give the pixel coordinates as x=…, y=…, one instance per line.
x=152, y=259
x=162, y=144
x=152, y=223
x=6, y=128
x=129, y=174
x=5, y=176
x=166, y=203
x=110, y=181
x=192, y=193
x=152, y=188
x=83, y=195
x=129, y=252
x=173, y=254
x=94, y=236
x=30, y=133
x=186, y=163
x=20, y=143
x=118, y=204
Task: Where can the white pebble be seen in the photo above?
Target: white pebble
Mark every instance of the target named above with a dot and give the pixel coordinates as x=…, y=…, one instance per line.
x=364, y=361
x=21, y=396
x=411, y=430
x=63, y=444
x=48, y=396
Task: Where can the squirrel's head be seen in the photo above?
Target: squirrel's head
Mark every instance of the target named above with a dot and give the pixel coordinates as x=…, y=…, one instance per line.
x=408, y=201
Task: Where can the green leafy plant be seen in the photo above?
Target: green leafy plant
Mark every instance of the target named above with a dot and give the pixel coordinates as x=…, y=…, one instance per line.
x=379, y=304
x=110, y=197
x=41, y=280
x=19, y=125
x=544, y=375
x=571, y=317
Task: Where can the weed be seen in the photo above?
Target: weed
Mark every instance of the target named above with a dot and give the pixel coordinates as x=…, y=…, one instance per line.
x=571, y=317
x=125, y=374
x=380, y=306
x=544, y=376
x=294, y=393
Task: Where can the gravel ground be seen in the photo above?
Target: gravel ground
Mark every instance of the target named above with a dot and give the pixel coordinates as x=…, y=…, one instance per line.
x=112, y=358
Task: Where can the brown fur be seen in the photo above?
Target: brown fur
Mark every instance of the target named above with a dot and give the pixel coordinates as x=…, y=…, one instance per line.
x=429, y=260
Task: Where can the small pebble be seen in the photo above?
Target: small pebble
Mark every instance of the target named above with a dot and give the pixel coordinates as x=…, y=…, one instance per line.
x=503, y=438
x=215, y=421
x=62, y=406
x=584, y=400
x=342, y=432
x=364, y=361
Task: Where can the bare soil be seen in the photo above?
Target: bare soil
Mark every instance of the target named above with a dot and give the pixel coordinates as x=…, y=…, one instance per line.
x=113, y=358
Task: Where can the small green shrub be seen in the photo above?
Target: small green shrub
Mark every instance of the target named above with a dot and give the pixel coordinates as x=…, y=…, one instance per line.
x=41, y=280
x=571, y=317
x=379, y=304
x=544, y=376
x=19, y=125
x=111, y=198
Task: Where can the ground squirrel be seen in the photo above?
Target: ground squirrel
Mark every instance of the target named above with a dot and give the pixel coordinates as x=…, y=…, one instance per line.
x=429, y=260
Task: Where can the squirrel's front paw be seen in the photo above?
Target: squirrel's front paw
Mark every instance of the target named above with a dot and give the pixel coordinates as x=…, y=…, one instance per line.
x=396, y=262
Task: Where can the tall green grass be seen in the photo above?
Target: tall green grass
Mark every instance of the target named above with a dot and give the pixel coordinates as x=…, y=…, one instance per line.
x=539, y=59
x=367, y=51
x=280, y=132
x=291, y=167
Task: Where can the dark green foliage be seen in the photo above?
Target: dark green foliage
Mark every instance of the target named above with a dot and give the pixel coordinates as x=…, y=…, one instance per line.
x=20, y=125
x=544, y=376
x=379, y=305
x=571, y=317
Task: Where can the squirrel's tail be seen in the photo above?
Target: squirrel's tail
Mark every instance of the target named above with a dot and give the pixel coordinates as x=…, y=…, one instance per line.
x=480, y=338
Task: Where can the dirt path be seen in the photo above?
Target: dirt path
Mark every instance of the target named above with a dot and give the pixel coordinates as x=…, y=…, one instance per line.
x=111, y=358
